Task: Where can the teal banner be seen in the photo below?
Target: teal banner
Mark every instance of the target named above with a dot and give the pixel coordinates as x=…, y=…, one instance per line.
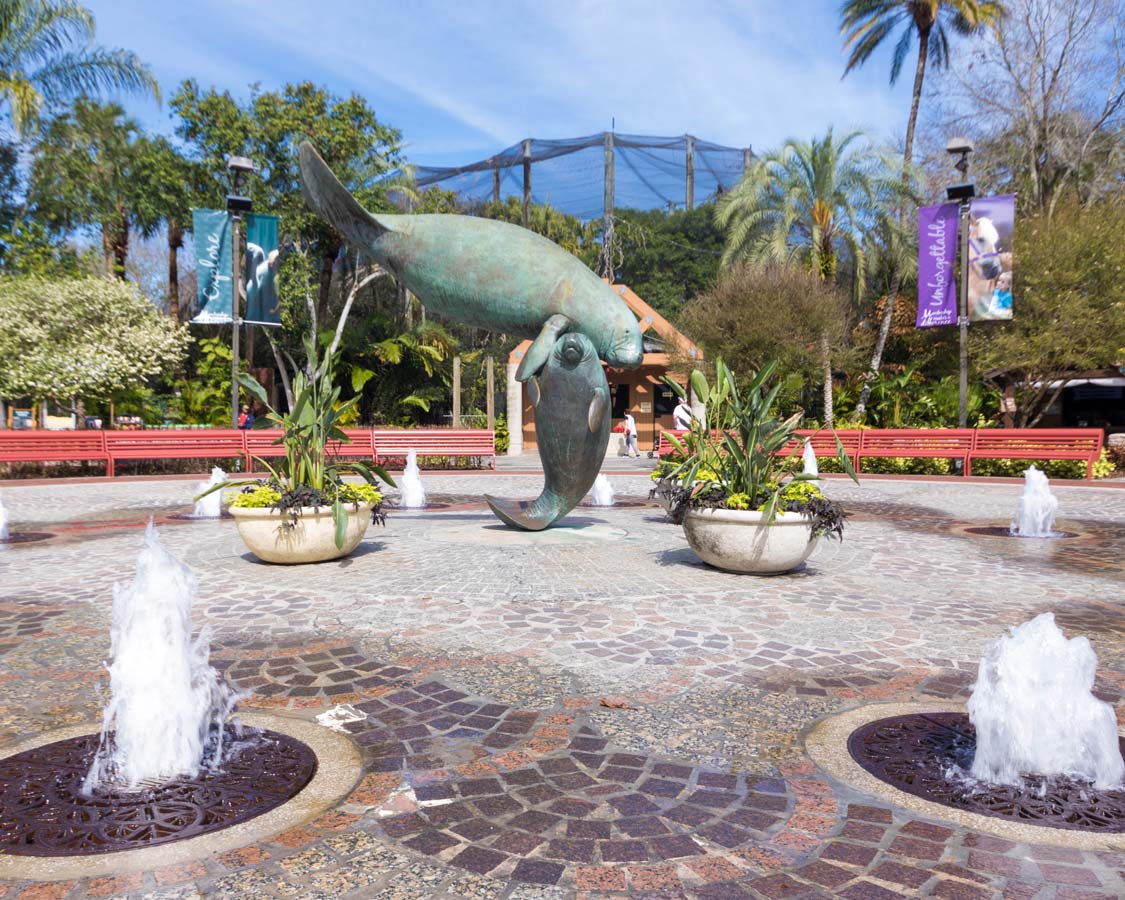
x=211, y=228
x=261, y=265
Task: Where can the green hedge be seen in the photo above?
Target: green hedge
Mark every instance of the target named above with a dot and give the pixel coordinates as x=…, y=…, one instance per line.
x=1013, y=468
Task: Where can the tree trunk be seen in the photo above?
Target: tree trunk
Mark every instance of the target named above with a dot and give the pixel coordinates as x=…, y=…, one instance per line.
x=877, y=353
x=327, y=261
x=79, y=414
x=175, y=242
x=907, y=159
x=119, y=244
x=919, y=76
x=826, y=361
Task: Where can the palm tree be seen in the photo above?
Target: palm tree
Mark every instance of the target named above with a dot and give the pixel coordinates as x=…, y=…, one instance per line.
x=865, y=24
x=48, y=55
x=86, y=174
x=813, y=203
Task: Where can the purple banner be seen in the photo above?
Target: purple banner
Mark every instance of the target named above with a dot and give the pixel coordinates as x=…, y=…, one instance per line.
x=992, y=222
x=937, y=251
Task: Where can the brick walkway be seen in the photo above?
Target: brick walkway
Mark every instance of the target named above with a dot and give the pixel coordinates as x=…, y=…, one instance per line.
x=594, y=714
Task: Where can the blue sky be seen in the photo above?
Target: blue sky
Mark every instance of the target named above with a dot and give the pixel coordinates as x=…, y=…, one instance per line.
x=462, y=80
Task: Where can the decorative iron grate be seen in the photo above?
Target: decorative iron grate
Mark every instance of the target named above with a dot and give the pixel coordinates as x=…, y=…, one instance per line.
x=43, y=811
x=1006, y=532
x=27, y=537
x=917, y=754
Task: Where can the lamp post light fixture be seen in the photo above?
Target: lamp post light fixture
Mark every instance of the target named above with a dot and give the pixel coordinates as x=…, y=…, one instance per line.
x=237, y=204
x=963, y=194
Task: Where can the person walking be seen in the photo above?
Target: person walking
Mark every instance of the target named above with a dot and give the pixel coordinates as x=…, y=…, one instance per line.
x=631, y=436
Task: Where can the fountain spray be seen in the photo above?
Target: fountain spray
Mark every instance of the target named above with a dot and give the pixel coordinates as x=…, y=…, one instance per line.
x=168, y=706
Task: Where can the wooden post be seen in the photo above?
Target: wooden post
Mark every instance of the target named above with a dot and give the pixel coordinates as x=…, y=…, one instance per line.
x=1009, y=405
x=609, y=192
x=747, y=160
x=490, y=394
x=457, y=392
x=496, y=184
x=689, y=192
x=527, y=183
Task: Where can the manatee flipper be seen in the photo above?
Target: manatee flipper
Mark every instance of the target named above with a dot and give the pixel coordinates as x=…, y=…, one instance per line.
x=599, y=409
x=334, y=202
x=540, y=349
x=527, y=515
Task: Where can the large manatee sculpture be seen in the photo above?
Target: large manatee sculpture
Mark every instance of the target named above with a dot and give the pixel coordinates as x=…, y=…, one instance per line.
x=484, y=273
x=504, y=278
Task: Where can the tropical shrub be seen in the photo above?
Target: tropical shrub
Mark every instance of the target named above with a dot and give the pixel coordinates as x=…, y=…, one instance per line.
x=309, y=475
x=740, y=456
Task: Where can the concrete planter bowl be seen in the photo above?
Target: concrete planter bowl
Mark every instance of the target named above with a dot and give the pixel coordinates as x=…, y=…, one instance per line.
x=739, y=541
x=273, y=536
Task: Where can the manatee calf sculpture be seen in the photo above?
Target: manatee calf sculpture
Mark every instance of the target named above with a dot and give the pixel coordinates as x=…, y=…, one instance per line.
x=484, y=273
x=571, y=400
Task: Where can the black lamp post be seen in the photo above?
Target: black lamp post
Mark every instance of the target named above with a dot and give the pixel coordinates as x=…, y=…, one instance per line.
x=963, y=193
x=237, y=204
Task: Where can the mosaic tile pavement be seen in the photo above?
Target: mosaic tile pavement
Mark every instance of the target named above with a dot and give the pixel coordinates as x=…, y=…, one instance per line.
x=601, y=716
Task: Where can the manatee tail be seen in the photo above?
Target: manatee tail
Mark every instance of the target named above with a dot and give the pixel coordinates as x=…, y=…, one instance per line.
x=529, y=515
x=334, y=203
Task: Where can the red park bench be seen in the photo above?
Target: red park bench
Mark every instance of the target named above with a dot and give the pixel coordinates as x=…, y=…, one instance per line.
x=965, y=444
x=53, y=446
x=1038, y=443
x=397, y=443
x=935, y=443
x=262, y=443
x=205, y=443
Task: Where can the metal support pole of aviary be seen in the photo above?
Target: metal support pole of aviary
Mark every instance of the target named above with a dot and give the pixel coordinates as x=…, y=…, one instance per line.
x=963, y=193
x=237, y=204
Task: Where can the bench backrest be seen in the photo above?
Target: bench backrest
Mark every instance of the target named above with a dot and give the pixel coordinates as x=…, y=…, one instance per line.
x=211, y=442
x=906, y=441
x=436, y=441
x=1083, y=441
x=51, y=445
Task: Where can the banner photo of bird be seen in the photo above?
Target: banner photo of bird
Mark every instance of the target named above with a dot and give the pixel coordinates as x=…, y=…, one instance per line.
x=261, y=265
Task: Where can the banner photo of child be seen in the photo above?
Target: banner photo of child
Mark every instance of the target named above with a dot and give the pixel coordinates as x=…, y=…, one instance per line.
x=991, y=229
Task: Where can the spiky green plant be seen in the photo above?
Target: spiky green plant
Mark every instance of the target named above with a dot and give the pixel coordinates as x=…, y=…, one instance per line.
x=308, y=474
x=741, y=446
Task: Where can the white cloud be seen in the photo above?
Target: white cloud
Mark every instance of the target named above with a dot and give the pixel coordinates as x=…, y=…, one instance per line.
x=475, y=77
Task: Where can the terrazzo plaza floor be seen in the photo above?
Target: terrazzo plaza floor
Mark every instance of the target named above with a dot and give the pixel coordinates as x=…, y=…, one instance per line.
x=589, y=712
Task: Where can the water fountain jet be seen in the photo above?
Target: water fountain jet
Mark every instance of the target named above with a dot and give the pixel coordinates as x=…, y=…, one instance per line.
x=1035, y=713
x=808, y=458
x=168, y=707
x=211, y=506
x=602, y=492
x=413, y=494
x=1035, y=515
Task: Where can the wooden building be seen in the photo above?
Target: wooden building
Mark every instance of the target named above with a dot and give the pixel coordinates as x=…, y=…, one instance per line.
x=641, y=391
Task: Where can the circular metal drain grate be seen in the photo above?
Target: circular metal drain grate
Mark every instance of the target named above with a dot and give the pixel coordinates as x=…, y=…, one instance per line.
x=26, y=537
x=44, y=813
x=1006, y=532
x=914, y=752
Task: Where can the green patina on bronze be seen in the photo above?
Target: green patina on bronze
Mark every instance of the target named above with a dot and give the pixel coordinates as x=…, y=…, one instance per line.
x=505, y=278
x=484, y=273
x=571, y=400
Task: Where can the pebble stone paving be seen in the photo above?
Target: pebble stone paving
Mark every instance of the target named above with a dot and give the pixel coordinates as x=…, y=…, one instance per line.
x=595, y=715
